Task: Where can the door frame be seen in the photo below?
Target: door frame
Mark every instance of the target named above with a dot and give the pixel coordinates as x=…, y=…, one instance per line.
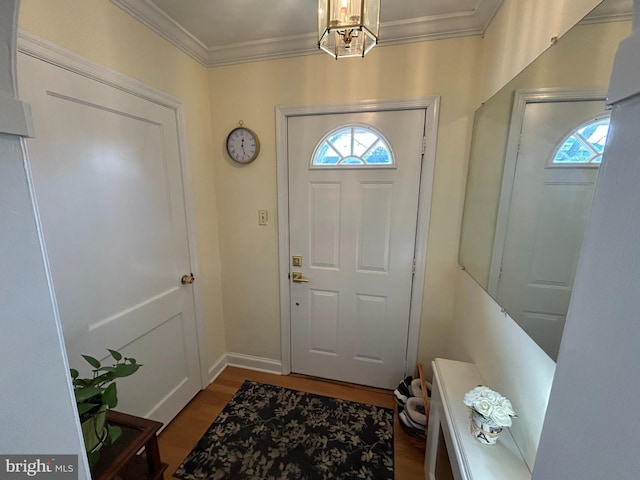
x=521, y=99
x=61, y=57
x=432, y=106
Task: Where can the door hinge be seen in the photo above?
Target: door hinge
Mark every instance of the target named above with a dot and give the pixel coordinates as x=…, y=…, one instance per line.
x=519, y=144
x=424, y=144
x=413, y=268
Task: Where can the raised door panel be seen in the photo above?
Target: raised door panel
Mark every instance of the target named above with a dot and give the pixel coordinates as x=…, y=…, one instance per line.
x=324, y=225
x=374, y=234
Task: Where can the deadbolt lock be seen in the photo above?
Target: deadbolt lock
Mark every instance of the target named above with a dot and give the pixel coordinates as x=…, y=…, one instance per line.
x=296, y=261
x=187, y=279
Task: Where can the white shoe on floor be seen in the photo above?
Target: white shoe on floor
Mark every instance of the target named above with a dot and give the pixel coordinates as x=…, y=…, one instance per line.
x=416, y=388
x=416, y=412
x=410, y=426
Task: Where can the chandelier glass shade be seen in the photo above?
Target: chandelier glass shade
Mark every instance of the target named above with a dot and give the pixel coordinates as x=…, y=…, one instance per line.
x=348, y=28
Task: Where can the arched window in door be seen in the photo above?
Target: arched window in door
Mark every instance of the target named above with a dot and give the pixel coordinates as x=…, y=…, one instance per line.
x=353, y=146
x=584, y=146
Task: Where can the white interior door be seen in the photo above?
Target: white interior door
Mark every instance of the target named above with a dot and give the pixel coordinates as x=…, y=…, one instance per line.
x=547, y=218
x=107, y=178
x=354, y=227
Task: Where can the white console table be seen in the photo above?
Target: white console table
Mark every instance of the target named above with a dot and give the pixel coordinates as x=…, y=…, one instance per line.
x=469, y=459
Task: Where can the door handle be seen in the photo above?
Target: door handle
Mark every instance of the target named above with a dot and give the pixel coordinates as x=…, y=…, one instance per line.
x=298, y=278
x=187, y=279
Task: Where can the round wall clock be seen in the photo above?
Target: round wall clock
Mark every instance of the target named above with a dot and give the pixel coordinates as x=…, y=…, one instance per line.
x=243, y=145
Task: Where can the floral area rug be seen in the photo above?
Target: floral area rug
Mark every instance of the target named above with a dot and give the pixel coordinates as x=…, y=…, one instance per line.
x=268, y=432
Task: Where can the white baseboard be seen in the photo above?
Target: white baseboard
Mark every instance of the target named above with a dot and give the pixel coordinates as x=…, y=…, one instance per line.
x=241, y=360
x=217, y=368
x=254, y=363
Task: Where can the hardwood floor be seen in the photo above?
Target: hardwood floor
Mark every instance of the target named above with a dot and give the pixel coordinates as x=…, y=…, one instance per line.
x=181, y=435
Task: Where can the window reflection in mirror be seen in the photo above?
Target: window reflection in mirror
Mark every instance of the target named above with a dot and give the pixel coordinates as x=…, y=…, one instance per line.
x=584, y=145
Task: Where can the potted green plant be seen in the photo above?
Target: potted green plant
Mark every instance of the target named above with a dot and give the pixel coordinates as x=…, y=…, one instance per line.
x=96, y=395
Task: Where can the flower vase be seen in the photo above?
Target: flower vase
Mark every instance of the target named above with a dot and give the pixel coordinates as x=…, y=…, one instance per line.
x=483, y=429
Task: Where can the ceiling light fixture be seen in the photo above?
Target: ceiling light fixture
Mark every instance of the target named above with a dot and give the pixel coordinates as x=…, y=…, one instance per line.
x=348, y=28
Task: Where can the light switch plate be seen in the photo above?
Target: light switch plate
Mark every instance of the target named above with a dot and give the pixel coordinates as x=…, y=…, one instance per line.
x=263, y=217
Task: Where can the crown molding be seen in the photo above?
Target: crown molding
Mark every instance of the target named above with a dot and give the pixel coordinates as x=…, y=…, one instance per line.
x=434, y=27
x=616, y=17
x=610, y=11
x=266, y=49
x=158, y=21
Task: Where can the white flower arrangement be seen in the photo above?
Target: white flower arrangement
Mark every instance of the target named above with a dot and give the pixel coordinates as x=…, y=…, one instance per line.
x=490, y=404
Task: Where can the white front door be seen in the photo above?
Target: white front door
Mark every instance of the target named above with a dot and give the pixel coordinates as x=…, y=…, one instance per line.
x=354, y=227
x=549, y=209
x=108, y=184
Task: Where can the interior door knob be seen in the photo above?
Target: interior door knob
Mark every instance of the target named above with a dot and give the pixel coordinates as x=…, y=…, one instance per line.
x=187, y=279
x=298, y=278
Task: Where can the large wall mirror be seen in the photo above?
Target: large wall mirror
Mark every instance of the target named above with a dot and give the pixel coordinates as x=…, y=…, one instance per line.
x=535, y=155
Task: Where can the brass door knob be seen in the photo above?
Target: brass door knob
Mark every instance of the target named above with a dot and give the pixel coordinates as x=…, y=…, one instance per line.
x=187, y=279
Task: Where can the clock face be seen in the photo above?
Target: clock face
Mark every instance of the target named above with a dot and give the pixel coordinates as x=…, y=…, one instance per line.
x=243, y=145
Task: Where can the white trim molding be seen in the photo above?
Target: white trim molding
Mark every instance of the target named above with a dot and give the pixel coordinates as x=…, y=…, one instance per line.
x=158, y=21
x=431, y=105
x=240, y=360
x=250, y=362
x=216, y=368
x=54, y=54
x=433, y=27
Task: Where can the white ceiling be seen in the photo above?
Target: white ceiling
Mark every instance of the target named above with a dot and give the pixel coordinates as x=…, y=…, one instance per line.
x=223, y=32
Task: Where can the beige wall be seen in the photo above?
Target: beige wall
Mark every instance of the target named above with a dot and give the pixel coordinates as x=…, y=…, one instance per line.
x=104, y=34
x=252, y=91
x=522, y=30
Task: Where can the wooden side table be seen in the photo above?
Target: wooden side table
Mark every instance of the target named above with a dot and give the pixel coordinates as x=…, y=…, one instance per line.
x=121, y=460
